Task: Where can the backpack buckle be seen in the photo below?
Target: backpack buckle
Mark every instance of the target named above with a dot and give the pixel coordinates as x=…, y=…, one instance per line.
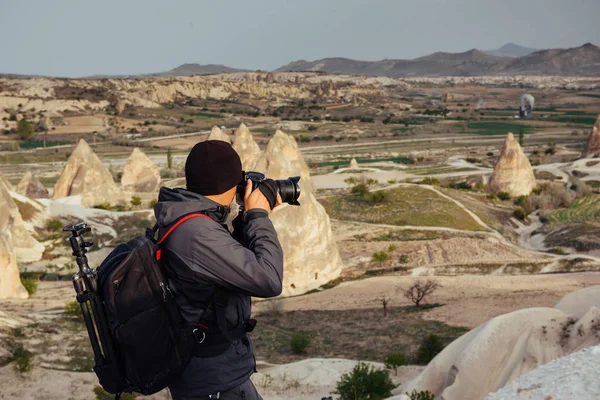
x=196, y=333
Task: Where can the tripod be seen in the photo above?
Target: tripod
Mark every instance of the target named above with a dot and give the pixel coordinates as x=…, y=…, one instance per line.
x=86, y=287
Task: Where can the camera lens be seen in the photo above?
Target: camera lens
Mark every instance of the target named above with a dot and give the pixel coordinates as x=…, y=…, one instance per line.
x=289, y=190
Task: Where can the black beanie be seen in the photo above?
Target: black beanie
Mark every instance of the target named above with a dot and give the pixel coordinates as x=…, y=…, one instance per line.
x=212, y=167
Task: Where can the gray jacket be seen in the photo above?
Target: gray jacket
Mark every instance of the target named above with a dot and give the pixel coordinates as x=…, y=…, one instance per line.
x=202, y=255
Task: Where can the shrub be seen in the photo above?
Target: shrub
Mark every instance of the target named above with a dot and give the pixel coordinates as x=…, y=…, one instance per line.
x=429, y=348
x=395, y=360
x=104, y=206
x=378, y=197
x=365, y=383
x=473, y=160
x=391, y=248
x=22, y=359
x=491, y=196
x=430, y=181
x=54, y=225
x=102, y=394
x=550, y=151
x=519, y=214
x=24, y=129
x=558, y=250
x=404, y=259
x=360, y=190
x=489, y=154
x=380, y=256
x=136, y=201
x=422, y=395
x=299, y=342
x=419, y=290
x=152, y=203
x=73, y=310
x=30, y=284
x=503, y=196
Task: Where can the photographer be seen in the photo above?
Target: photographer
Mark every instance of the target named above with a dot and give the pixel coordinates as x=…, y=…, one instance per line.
x=204, y=262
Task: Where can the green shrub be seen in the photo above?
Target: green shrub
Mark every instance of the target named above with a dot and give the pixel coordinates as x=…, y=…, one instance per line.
x=299, y=342
x=102, y=394
x=24, y=129
x=378, y=197
x=365, y=383
x=54, y=225
x=391, y=248
x=489, y=154
x=73, y=310
x=136, y=201
x=520, y=201
x=558, y=250
x=473, y=160
x=104, y=206
x=404, y=259
x=430, y=181
x=152, y=203
x=380, y=256
x=30, y=284
x=395, y=360
x=360, y=190
x=429, y=348
x=503, y=196
x=519, y=214
x=422, y=395
x=22, y=358
x=491, y=196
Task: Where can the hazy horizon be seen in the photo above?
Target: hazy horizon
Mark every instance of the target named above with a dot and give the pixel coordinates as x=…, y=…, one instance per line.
x=69, y=38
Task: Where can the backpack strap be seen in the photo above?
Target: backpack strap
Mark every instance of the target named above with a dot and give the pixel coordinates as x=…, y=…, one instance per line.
x=179, y=222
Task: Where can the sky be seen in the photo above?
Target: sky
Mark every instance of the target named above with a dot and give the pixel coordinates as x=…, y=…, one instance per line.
x=72, y=38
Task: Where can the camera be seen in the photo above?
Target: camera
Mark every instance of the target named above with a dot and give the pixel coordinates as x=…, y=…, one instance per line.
x=288, y=188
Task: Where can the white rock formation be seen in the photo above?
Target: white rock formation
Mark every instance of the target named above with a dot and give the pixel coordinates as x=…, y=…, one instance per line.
x=499, y=351
x=31, y=187
x=10, y=281
x=85, y=175
x=246, y=147
x=513, y=173
x=593, y=143
x=140, y=174
x=311, y=257
x=217, y=134
x=353, y=164
x=568, y=378
x=27, y=249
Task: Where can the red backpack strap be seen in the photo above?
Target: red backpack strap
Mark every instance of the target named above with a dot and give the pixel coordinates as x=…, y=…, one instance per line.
x=171, y=229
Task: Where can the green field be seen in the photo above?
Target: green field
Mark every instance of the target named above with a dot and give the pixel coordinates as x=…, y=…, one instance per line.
x=586, y=209
x=410, y=205
x=39, y=144
x=498, y=128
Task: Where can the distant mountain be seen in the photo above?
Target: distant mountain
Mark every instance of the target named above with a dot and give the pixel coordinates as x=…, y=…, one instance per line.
x=584, y=60
x=511, y=50
x=198, y=69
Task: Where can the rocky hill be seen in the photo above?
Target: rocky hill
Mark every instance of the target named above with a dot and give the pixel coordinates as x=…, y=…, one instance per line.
x=511, y=50
x=199, y=69
x=583, y=60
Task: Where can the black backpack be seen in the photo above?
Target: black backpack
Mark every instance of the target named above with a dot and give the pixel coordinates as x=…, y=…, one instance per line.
x=152, y=342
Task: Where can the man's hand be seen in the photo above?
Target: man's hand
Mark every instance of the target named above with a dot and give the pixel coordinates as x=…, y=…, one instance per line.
x=255, y=199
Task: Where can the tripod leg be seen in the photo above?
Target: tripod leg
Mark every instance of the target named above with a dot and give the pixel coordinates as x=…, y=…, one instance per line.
x=89, y=324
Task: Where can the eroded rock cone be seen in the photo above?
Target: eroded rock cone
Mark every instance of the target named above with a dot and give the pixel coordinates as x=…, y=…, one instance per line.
x=217, y=134
x=31, y=187
x=22, y=243
x=140, y=174
x=85, y=175
x=311, y=256
x=10, y=280
x=353, y=163
x=246, y=147
x=513, y=173
x=592, y=146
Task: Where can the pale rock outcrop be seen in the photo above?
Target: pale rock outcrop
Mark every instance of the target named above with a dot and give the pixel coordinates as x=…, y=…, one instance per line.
x=217, y=134
x=499, y=351
x=44, y=124
x=592, y=146
x=31, y=187
x=85, y=175
x=246, y=147
x=10, y=280
x=140, y=174
x=353, y=164
x=311, y=257
x=513, y=173
x=22, y=243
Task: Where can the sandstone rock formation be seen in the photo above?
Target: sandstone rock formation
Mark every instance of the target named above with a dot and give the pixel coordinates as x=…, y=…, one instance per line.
x=31, y=187
x=85, y=175
x=10, y=281
x=140, y=174
x=27, y=249
x=217, y=134
x=495, y=353
x=311, y=257
x=513, y=173
x=44, y=124
x=246, y=147
x=592, y=146
x=353, y=164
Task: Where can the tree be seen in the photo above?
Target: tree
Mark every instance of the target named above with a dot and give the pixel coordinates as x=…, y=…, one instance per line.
x=169, y=159
x=384, y=302
x=24, y=129
x=430, y=347
x=395, y=360
x=365, y=383
x=419, y=290
x=521, y=138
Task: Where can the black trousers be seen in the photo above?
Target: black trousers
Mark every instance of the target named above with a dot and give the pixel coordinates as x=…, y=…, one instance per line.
x=246, y=391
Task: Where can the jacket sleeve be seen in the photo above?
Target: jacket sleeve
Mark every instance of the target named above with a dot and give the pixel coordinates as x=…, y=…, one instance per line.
x=255, y=270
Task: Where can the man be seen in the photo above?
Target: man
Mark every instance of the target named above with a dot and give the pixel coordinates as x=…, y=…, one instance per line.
x=203, y=258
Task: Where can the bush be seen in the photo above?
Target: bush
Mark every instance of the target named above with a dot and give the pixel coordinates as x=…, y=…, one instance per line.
x=519, y=214
x=380, y=256
x=73, y=310
x=136, y=201
x=395, y=360
x=22, y=358
x=558, y=250
x=430, y=347
x=102, y=394
x=473, y=160
x=30, y=284
x=365, y=383
x=489, y=154
x=422, y=395
x=104, y=206
x=430, y=181
x=24, y=129
x=378, y=197
x=360, y=190
x=491, y=196
x=152, y=203
x=54, y=225
x=299, y=343
x=503, y=196
x=404, y=259
x=550, y=151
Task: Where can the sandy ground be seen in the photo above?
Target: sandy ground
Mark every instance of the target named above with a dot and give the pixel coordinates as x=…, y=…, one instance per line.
x=83, y=124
